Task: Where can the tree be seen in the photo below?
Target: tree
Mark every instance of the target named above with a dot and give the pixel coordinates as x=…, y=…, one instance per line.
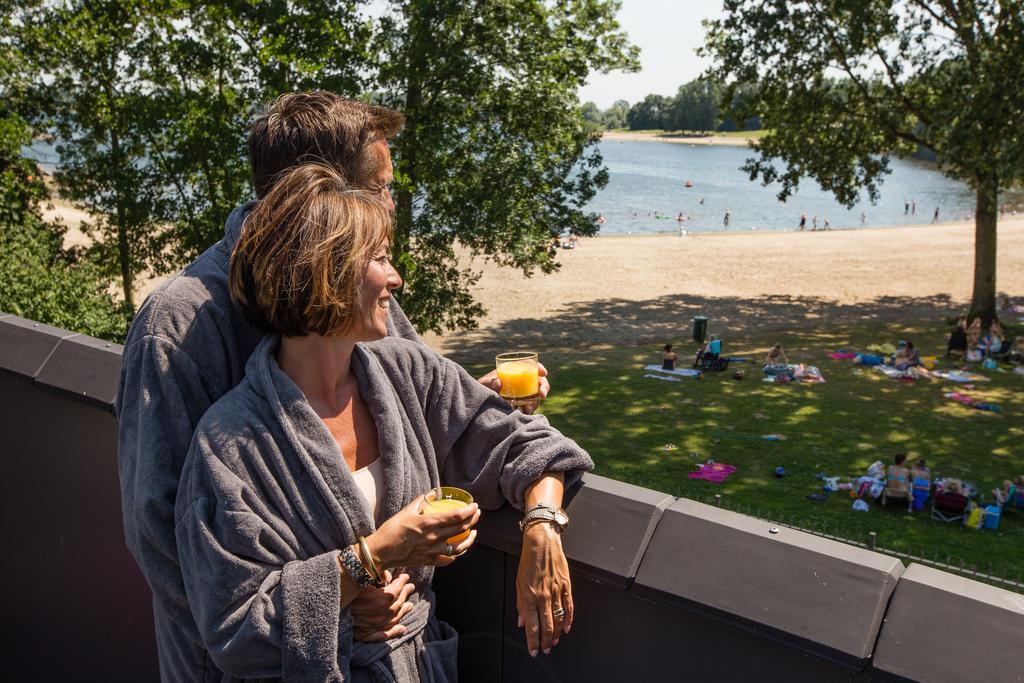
x=844, y=84
x=694, y=107
x=615, y=116
x=210, y=70
x=495, y=156
x=98, y=104
x=650, y=113
x=38, y=278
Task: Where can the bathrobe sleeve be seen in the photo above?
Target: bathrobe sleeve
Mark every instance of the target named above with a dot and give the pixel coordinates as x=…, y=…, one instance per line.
x=487, y=448
x=261, y=611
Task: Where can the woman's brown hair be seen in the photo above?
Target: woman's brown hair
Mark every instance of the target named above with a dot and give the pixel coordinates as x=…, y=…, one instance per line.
x=303, y=250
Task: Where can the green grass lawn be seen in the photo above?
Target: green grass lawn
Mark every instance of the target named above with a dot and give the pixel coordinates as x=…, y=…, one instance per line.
x=602, y=400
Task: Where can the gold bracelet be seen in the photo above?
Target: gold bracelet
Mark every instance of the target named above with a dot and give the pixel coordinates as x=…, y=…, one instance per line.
x=368, y=559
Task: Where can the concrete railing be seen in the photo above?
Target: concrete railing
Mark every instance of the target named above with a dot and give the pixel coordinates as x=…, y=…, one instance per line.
x=665, y=588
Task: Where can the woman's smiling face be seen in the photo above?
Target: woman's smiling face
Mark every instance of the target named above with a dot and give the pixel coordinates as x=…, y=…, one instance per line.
x=375, y=294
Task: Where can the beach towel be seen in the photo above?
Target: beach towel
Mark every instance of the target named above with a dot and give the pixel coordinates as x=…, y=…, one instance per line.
x=842, y=355
x=960, y=376
x=679, y=372
x=868, y=359
x=714, y=472
x=893, y=373
x=663, y=378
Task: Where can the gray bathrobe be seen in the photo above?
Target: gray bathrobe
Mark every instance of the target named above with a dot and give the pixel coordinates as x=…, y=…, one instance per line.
x=266, y=502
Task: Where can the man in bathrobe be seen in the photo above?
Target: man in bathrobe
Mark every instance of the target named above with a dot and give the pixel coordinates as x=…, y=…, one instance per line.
x=189, y=345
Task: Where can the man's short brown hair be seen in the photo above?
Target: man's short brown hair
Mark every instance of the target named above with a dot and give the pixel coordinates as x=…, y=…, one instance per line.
x=318, y=126
x=303, y=252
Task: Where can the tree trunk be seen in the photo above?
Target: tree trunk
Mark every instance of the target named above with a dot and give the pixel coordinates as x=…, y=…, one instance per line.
x=983, y=299
x=123, y=254
x=408, y=142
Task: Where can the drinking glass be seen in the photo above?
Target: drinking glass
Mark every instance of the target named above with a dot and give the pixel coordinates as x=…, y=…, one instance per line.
x=443, y=499
x=520, y=381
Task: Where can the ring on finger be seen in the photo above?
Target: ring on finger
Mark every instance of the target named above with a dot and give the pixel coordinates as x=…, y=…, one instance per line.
x=449, y=550
x=559, y=612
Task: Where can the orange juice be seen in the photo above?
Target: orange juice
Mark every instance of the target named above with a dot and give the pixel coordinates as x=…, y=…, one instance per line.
x=519, y=379
x=445, y=505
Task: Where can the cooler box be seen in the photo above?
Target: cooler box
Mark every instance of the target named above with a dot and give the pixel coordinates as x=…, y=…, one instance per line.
x=992, y=517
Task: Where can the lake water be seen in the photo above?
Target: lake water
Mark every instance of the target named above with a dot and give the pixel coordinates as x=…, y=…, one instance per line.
x=649, y=177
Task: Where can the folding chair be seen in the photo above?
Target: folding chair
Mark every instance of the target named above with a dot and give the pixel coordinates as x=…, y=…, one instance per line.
x=950, y=507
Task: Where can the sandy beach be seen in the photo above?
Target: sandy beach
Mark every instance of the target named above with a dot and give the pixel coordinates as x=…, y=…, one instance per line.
x=646, y=289
x=678, y=138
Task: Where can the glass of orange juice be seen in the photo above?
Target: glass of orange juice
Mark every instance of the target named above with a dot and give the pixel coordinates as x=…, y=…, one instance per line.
x=520, y=381
x=443, y=499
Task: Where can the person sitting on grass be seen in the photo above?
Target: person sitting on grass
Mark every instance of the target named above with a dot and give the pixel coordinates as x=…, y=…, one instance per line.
x=907, y=357
x=668, y=358
x=921, y=482
x=973, y=337
x=776, y=356
x=1008, y=492
x=897, y=481
x=957, y=343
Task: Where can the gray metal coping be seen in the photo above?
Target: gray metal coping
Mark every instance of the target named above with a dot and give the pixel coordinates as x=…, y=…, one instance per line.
x=823, y=597
x=83, y=366
x=25, y=345
x=943, y=627
x=610, y=525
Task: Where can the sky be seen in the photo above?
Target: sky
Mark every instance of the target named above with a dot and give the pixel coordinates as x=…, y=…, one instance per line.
x=667, y=32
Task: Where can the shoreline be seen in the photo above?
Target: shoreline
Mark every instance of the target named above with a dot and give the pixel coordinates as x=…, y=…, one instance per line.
x=678, y=138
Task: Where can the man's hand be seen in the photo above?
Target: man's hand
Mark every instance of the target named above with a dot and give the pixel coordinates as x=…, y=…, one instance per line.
x=377, y=611
x=491, y=381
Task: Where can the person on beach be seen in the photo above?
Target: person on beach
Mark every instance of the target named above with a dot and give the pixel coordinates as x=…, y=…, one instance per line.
x=907, y=357
x=935, y=218
x=776, y=356
x=973, y=338
x=814, y=222
x=913, y=207
x=668, y=358
x=189, y=343
x=276, y=533
x=803, y=221
x=906, y=207
x=863, y=218
x=725, y=220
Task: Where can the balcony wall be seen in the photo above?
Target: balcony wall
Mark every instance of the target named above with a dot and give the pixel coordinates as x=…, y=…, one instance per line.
x=665, y=588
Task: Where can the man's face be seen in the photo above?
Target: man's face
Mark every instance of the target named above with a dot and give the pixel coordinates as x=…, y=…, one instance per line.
x=381, y=182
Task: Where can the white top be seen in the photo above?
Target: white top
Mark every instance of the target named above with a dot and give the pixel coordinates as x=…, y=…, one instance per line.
x=370, y=480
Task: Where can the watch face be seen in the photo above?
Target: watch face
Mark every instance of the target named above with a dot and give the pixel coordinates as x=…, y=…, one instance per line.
x=561, y=518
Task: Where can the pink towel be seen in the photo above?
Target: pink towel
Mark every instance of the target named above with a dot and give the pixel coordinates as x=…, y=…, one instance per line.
x=840, y=355
x=713, y=471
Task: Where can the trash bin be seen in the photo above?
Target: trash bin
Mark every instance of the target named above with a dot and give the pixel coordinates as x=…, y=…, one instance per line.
x=700, y=328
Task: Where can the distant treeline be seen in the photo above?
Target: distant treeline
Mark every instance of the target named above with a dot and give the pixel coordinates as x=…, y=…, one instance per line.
x=695, y=106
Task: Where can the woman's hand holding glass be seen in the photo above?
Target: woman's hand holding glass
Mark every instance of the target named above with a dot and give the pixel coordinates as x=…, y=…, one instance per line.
x=411, y=539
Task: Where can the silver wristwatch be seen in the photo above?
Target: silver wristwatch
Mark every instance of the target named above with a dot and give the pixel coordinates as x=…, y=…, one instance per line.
x=542, y=512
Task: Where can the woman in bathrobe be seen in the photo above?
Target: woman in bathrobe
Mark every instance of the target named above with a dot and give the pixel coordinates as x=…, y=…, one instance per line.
x=303, y=485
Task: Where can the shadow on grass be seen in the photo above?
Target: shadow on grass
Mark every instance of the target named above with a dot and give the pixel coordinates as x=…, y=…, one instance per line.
x=669, y=318
x=603, y=401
